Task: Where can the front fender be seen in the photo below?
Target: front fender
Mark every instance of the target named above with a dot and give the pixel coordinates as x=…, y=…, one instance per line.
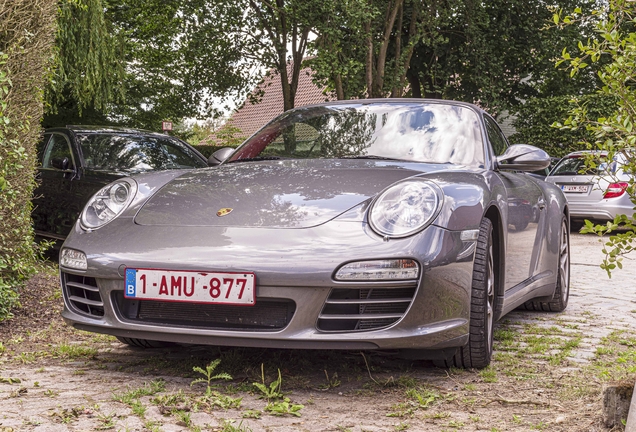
x=466, y=196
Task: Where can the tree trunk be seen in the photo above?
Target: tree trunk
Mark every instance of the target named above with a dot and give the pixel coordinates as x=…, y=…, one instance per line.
x=414, y=81
x=413, y=39
x=397, y=92
x=381, y=62
x=337, y=79
x=369, y=62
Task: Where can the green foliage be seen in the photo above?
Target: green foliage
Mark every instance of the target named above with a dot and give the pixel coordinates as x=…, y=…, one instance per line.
x=208, y=374
x=498, y=53
x=536, y=122
x=284, y=407
x=139, y=62
x=26, y=36
x=273, y=391
x=614, y=45
x=277, y=403
x=89, y=67
x=229, y=136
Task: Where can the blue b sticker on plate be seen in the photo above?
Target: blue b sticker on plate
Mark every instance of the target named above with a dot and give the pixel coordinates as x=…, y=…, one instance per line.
x=131, y=282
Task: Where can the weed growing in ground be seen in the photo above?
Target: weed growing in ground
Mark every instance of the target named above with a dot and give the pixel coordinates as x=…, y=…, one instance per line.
x=254, y=414
x=488, y=374
x=271, y=392
x=208, y=373
x=418, y=398
x=107, y=421
x=152, y=426
x=615, y=357
x=216, y=399
x=228, y=426
x=66, y=351
x=183, y=417
x=148, y=389
x=332, y=382
x=284, y=407
x=401, y=426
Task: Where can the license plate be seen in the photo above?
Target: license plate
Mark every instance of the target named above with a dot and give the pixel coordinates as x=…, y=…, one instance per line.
x=191, y=286
x=573, y=188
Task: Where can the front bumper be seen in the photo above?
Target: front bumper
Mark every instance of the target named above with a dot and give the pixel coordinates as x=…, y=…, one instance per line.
x=294, y=269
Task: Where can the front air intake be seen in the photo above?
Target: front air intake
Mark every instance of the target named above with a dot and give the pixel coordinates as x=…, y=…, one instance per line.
x=357, y=309
x=83, y=295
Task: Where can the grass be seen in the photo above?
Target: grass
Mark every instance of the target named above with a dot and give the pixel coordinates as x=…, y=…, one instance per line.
x=72, y=352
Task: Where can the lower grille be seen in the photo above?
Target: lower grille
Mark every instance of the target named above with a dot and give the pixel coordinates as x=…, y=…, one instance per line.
x=265, y=315
x=83, y=294
x=355, y=309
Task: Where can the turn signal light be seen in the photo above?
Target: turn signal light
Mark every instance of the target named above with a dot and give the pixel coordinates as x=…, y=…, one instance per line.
x=391, y=269
x=615, y=190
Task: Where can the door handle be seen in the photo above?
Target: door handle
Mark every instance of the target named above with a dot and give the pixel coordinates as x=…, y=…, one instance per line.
x=541, y=203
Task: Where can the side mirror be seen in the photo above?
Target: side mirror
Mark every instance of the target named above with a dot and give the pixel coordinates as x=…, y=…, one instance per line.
x=60, y=163
x=523, y=157
x=219, y=156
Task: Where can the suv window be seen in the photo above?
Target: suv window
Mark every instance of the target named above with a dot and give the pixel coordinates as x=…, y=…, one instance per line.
x=132, y=152
x=57, y=150
x=496, y=137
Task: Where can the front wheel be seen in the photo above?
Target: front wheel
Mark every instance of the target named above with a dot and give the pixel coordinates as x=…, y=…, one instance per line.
x=478, y=351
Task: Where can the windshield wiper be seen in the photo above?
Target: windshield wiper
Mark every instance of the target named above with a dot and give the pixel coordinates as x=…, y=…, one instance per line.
x=372, y=157
x=258, y=158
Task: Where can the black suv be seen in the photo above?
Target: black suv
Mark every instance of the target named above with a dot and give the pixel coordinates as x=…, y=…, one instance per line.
x=77, y=161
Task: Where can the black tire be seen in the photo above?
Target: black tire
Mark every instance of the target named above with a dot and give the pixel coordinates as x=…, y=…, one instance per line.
x=143, y=343
x=575, y=226
x=562, y=288
x=520, y=226
x=478, y=351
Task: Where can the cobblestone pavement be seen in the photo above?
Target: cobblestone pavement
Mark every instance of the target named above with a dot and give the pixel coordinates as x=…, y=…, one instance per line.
x=612, y=301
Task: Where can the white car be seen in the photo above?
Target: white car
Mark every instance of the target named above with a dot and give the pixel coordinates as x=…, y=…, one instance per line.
x=597, y=194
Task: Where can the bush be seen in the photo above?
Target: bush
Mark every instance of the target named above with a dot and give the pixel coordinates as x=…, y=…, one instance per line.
x=535, y=118
x=26, y=39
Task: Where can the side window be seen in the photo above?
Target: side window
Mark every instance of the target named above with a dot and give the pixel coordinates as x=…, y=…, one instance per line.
x=42, y=145
x=496, y=138
x=58, y=153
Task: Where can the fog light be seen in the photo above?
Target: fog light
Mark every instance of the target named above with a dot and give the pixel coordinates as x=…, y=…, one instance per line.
x=74, y=259
x=379, y=270
x=469, y=235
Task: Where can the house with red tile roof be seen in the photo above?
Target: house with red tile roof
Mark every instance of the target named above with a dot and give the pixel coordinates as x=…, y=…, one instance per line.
x=251, y=117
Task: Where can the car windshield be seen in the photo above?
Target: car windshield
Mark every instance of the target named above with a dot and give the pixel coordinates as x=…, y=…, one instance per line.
x=575, y=165
x=126, y=152
x=418, y=132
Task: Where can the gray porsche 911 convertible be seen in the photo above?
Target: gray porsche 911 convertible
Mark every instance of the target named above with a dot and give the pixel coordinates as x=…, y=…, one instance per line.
x=394, y=224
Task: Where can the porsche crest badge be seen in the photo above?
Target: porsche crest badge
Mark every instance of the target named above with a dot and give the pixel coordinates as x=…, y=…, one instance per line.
x=224, y=212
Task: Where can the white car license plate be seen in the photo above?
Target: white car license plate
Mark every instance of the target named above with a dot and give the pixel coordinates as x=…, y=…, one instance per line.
x=574, y=188
x=191, y=286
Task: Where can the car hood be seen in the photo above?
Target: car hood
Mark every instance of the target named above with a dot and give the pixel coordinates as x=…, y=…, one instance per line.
x=275, y=194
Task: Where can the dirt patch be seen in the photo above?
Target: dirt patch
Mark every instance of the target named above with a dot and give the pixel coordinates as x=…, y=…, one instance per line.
x=543, y=377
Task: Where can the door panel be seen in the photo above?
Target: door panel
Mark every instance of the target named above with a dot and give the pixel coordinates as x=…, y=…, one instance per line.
x=53, y=198
x=525, y=209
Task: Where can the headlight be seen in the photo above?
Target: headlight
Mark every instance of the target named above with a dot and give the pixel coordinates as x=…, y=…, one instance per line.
x=405, y=208
x=108, y=203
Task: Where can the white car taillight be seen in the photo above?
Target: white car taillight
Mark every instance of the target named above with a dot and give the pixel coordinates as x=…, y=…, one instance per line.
x=615, y=190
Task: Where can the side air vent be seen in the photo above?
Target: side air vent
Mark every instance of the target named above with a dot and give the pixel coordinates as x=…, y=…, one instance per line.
x=83, y=294
x=357, y=309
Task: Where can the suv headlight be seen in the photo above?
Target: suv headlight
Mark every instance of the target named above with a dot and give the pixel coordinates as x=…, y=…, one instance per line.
x=108, y=203
x=405, y=208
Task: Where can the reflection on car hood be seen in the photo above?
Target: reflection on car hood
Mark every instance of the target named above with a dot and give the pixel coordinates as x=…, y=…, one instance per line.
x=276, y=194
